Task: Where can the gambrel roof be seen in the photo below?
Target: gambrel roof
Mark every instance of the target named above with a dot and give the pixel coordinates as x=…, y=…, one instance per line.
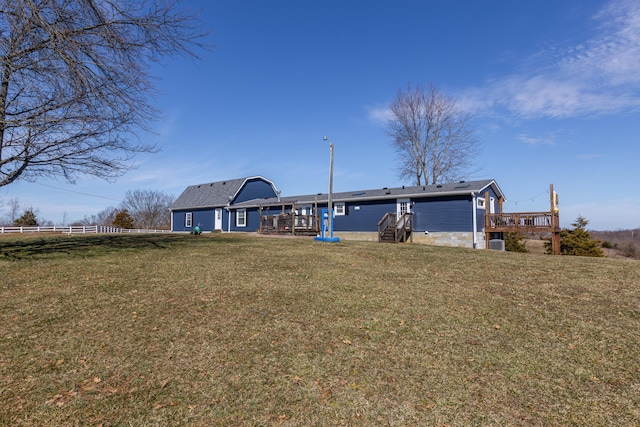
x=214, y=194
x=420, y=191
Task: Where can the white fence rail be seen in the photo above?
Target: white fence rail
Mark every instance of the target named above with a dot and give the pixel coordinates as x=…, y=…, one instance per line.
x=77, y=229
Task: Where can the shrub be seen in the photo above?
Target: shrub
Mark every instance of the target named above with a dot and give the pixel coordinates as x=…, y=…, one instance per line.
x=513, y=243
x=577, y=241
x=28, y=219
x=123, y=219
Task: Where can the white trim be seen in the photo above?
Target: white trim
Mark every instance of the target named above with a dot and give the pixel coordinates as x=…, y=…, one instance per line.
x=262, y=178
x=339, y=209
x=217, y=219
x=244, y=218
x=188, y=219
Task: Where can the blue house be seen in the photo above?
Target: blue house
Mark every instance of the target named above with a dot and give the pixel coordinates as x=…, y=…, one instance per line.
x=209, y=205
x=451, y=214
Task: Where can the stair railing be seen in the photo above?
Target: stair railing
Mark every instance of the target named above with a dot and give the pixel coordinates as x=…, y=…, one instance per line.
x=387, y=222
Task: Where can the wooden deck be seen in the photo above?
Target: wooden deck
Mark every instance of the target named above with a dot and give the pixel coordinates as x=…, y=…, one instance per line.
x=522, y=221
x=289, y=223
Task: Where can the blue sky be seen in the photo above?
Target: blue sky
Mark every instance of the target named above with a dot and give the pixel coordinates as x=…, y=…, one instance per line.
x=554, y=88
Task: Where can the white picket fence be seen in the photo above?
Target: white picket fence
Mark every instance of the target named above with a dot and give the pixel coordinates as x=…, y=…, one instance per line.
x=78, y=229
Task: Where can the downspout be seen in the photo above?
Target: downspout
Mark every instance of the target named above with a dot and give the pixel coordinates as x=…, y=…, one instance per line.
x=475, y=220
x=229, y=199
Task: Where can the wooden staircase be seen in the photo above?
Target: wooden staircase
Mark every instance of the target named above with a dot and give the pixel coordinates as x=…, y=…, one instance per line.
x=392, y=229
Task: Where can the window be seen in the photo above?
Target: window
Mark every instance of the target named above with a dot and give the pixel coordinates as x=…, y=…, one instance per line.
x=241, y=218
x=188, y=219
x=339, y=209
x=480, y=203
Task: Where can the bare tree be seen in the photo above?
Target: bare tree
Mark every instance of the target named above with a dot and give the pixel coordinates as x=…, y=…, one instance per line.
x=75, y=84
x=432, y=136
x=148, y=208
x=14, y=209
x=104, y=217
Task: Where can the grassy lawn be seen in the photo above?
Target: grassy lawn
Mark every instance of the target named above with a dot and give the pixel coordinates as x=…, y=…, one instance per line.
x=240, y=330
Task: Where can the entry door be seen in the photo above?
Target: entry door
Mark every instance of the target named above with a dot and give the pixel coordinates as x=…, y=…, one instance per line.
x=218, y=219
x=403, y=206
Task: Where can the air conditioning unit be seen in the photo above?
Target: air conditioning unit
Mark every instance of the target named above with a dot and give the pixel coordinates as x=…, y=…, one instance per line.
x=496, y=244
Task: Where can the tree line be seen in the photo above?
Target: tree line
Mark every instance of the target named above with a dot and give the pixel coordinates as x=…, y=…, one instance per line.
x=146, y=209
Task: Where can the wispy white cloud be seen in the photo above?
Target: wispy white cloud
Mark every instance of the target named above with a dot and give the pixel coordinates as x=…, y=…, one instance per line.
x=379, y=114
x=599, y=76
x=548, y=140
x=588, y=156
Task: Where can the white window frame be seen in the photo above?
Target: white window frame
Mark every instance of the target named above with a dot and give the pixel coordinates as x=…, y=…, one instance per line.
x=241, y=218
x=339, y=209
x=188, y=219
x=481, y=203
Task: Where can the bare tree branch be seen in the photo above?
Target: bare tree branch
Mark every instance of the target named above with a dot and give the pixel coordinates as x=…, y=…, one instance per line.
x=148, y=208
x=75, y=86
x=431, y=135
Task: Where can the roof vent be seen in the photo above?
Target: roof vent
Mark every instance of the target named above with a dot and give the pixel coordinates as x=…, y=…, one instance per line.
x=224, y=182
x=385, y=188
x=462, y=182
x=387, y=192
x=424, y=188
x=403, y=187
x=439, y=186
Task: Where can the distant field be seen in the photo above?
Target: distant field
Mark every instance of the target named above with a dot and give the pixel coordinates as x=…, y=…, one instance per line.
x=239, y=330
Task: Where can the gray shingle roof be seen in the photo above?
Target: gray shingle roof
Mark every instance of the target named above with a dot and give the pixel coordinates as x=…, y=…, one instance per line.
x=449, y=189
x=209, y=195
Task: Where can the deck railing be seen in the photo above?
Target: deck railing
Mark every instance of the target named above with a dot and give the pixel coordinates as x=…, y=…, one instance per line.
x=522, y=220
x=288, y=223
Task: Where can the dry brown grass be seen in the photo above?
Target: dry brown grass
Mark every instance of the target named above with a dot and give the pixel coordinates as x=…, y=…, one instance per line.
x=238, y=330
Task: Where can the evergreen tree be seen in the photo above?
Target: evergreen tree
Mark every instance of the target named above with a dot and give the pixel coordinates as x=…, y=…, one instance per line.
x=28, y=219
x=513, y=242
x=578, y=241
x=123, y=219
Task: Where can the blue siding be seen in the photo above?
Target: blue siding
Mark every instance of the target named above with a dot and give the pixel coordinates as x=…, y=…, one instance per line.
x=480, y=213
x=255, y=189
x=443, y=214
x=203, y=217
x=364, y=219
x=430, y=214
x=253, y=220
